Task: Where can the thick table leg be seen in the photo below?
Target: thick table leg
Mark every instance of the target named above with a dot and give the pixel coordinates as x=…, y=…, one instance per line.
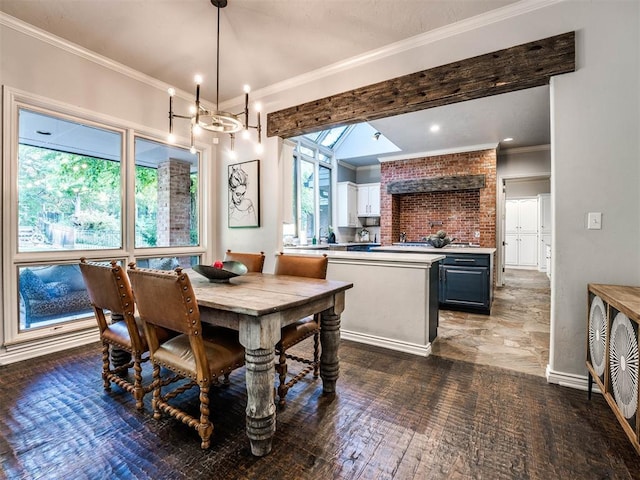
x=330, y=340
x=261, y=411
x=259, y=337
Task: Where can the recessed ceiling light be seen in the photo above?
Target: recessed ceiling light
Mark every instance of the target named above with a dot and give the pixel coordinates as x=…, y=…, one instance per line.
x=508, y=139
x=435, y=128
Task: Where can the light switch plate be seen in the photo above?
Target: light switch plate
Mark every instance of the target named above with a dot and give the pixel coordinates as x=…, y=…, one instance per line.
x=594, y=220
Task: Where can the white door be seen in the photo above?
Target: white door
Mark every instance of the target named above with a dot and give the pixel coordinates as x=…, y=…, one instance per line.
x=528, y=250
x=511, y=216
x=374, y=199
x=544, y=201
x=511, y=249
x=528, y=215
x=521, y=232
x=363, y=201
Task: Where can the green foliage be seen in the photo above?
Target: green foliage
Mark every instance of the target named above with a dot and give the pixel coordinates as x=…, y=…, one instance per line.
x=78, y=191
x=57, y=185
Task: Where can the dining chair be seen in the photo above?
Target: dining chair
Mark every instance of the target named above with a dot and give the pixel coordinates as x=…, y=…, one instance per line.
x=167, y=300
x=109, y=291
x=253, y=261
x=298, y=266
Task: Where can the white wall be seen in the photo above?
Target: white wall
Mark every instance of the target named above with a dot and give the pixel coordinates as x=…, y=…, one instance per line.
x=595, y=153
x=524, y=162
x=595, y=150
x=527, y=188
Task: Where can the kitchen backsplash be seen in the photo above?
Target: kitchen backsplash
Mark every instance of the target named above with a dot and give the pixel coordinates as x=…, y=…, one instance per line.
x=460, y=213
x=457, y=213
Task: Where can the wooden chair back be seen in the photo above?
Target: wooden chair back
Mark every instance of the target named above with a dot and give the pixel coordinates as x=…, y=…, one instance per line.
x=166, y=299
x=253, y=261
x=301, y=266
x=110, y=290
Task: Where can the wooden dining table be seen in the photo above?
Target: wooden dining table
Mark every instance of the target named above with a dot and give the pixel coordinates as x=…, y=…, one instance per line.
x=258, y=305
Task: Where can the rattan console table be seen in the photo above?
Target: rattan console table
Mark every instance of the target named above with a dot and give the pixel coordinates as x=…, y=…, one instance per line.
x=613, y=351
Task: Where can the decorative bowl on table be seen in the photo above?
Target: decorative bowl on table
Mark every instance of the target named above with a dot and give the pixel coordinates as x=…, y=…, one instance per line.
x=228, y=270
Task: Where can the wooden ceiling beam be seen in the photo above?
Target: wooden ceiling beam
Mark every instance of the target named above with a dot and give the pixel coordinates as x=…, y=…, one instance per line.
x=516, y=68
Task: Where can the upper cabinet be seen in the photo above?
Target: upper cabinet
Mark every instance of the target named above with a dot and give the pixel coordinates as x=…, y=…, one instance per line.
x=347, y=204
x=544, y=215
x=369, y=200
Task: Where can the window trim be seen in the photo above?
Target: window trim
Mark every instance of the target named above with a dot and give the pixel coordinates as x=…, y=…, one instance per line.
x=49, y=338
x=317, y=163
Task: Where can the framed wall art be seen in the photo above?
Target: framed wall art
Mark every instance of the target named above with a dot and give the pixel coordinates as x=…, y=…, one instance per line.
x=244, y=194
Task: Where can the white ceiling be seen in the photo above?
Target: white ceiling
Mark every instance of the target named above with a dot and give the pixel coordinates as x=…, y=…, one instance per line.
x=267, y=41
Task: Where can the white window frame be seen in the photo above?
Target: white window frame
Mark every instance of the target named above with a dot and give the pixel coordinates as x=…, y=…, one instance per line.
x=16, y=345
x=298, y=157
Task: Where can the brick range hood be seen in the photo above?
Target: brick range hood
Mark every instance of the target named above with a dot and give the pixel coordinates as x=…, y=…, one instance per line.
x=454, y=192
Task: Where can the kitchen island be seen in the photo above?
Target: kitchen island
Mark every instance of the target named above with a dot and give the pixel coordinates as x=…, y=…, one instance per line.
x=466, y=274
x=394, y=300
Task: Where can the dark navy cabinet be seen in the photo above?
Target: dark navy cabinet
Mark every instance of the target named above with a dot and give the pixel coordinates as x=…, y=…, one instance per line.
x=466, y=281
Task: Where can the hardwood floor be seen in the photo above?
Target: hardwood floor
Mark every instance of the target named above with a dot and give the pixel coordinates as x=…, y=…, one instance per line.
x=516, y=334
x=396, y=416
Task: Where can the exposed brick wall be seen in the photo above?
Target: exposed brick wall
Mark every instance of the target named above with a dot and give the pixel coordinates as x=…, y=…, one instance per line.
x=461, y=212
x=174, y=203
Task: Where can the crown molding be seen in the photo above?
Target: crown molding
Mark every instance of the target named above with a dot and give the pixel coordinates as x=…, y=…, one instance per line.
x=82, y=52
x=534, y=148
x=420, y=40
x=432, y=36
x=347, y=165
x=435, y=153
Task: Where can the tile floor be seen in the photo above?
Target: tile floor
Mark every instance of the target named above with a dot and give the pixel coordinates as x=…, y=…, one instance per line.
x=516, y=334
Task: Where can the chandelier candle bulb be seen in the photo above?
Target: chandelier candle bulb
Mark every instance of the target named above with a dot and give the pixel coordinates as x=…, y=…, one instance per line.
x=215, y=120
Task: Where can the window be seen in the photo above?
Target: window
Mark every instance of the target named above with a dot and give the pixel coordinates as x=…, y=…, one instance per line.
x=70, y=200
x=312, y=189
x=69, y=185
x=166, y=195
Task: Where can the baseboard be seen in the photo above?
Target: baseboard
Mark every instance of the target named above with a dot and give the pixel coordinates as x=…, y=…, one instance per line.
x=30, y=350
x=579, y=382
x=406, y=347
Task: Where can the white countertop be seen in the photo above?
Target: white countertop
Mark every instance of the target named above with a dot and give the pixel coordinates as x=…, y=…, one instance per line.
x=325, y=246
x=433, y=250
x=422, y=257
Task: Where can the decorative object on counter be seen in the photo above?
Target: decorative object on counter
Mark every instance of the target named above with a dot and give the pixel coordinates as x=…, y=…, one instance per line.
x=229, y=270
x=314, y=241
x=403, y=237
x=332, y=236
x=364, y=235
x=440, y=239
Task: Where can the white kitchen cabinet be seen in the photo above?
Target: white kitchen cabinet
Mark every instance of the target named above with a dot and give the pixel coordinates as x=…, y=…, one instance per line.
x=347, y=204
x=369, y=200
x=544, y=229
x=521, y=232
x=545, y=240
x=544, y=213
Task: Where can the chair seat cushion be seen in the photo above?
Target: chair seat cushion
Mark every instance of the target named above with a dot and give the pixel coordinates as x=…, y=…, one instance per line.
x=117, y=333
x=223, y=355
x=298, y=331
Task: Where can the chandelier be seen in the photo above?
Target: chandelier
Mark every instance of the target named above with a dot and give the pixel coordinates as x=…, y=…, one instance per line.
x=216, y=121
